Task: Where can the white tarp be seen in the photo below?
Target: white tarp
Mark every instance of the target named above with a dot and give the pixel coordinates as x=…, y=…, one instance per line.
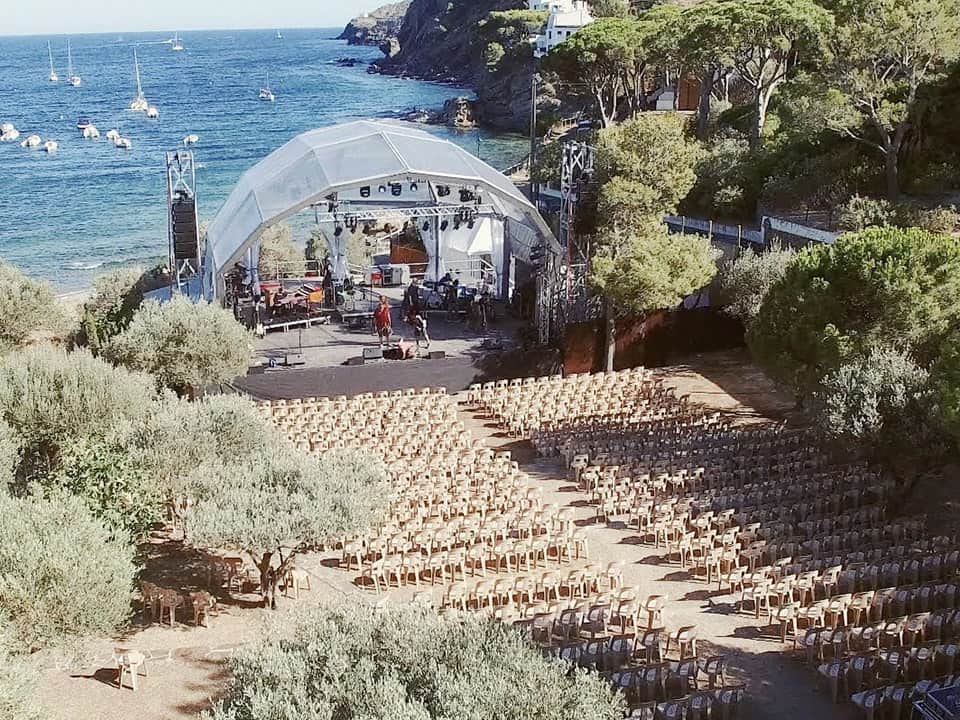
x=342, y=159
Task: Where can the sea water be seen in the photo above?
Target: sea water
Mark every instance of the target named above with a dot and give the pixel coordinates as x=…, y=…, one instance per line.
x=68, y=216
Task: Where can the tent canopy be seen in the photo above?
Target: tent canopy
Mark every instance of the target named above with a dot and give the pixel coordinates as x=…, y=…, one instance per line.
x=356, y=162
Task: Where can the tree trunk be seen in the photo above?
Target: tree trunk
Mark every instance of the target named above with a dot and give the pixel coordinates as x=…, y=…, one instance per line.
x=268, y=581
x=892, y=160
x=703, y=104
x=760, y=118
x=611, y=337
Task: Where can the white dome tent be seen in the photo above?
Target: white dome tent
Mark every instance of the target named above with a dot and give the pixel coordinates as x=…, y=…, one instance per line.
x=358, y=171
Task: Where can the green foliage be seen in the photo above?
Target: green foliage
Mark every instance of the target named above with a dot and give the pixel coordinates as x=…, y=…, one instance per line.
x=278, y=251
x=940, y=219
x=18, y=693
x=185, y=345
x=945, y=376
x=493, y=54
x=116, y=488
x=26, y=306
x=880, y=400
x=860, y=212
x=882, y=286
x=650, y=269
x=546, y=167
x=654, y=150
x=116, y=296
x=9, y=454
x=63, y=574
x=281, y=498
x=746, y=279
x=50, y=397
x=609, y=8
x=408, y=664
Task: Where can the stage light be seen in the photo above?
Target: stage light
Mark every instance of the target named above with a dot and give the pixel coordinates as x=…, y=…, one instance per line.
x=465, y=195
x=337, y=231
x=456, y=222
x=413, y=187
x=470, y=222
x=443, y=190
x=368, y=228
x=396, y=189
x=444, y=225
x=382, y=188
x=365, y=191
x=426, y=226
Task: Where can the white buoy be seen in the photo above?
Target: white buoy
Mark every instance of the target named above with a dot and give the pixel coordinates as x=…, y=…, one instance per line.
x=191, y=139
x=51, y=146
x=32, y=141
x=123, y=143
x=91, y=132
x=112, y=134
x=153, y=113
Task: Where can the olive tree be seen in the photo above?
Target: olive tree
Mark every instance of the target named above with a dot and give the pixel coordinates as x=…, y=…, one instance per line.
x=184, y=345
x=115, y=297
x=18, y=695
x=881, y=286
x=63, y=574
x=746, y=279
x=26, y=306
x=278, y=503
x=49, y=396
x=279, y=254
x=407, y=664
x=881, y=401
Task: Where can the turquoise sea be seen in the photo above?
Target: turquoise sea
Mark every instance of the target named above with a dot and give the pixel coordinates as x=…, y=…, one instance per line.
x=67, y=216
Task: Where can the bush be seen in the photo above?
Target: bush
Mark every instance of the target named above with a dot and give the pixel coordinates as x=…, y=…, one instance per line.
x=18, y=695
x=26, y=306
x=882, y=286
x=859, y=213
x=279, y=251
x=49, y=397
x=746, y=280
x=881, y=400
x=945, y=376
x=116, y=296
x=408, y=665
x=184, y=345
x=63, y=574
x=9, y=454
x=940, y=219
x=282, y=502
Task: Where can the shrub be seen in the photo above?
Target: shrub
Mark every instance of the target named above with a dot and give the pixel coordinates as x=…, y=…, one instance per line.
x=945, y=376
x=408, y=665
x=282, y=502
x=184, y=345
x=115, y=298
x=63, y=574
x=881, y=400
x=49, y=396
x=860, y=212
x=278, y=251
x=745, y=280
x=18, y=695
x=882, y=286
x=9, y=454
x=940, y=219
x=26, y=306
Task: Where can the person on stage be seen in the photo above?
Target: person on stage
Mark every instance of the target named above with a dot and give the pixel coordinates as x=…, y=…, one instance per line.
x=382, y=321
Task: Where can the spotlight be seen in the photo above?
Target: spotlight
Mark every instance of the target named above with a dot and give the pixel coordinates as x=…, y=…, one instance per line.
x=365, y=191
x=443, y=190
x=351, y=222
x=382, y=188
x=337, y=231
x=456, y=222
x=465, y=195
x=470, y=222
x=426, y=226
x=368, y=228
x=396, y=189
x=444, y=225
x=413, y=187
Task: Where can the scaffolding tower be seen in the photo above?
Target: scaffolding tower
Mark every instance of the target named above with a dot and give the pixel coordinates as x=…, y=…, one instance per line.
x=183, y=228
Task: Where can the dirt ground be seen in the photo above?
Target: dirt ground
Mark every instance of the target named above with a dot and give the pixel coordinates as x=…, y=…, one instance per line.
x=187, y=665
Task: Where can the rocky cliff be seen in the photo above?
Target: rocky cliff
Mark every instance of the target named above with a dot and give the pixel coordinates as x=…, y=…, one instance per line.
x=380, y=26
x=460, y=41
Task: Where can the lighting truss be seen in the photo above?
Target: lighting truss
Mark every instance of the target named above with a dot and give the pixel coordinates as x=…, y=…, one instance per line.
x=362, y=214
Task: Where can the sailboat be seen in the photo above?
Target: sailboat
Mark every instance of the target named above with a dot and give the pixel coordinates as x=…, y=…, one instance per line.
x=279, y=36
x=177, y=45
x=266, y=93
x=72, y=78
x=52, y=77
x=139, y=103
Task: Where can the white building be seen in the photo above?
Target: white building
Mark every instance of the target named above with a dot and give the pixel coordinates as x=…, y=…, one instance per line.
x=550, y=5
x=563, y=22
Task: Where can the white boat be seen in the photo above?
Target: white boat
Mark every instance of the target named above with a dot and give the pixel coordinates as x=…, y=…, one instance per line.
x=32, y=141
x=153, y=113
x=51, y=146
x=176, y=44
x=72, y=78
x=83, y=122
x=123, y=143
x=52, y=77
x=279, y=36
x=191, y=139
x=139, y=103
x=6, y=127
x=113, y=134
x=91, y=133
x=266, y=93
x=8, y=133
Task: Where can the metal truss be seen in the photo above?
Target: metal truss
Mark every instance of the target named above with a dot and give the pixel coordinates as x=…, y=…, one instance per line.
x=182, y=183
x=417, y=211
